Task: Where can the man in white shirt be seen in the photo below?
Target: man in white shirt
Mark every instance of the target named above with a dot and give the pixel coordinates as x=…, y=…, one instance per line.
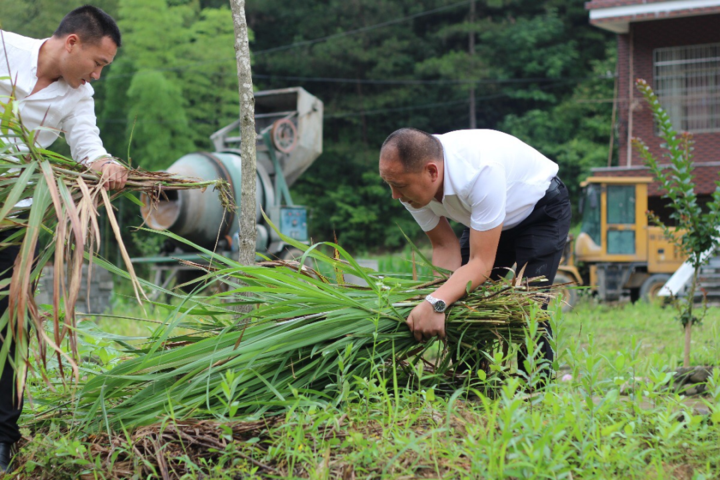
x=506, y=193
x=50, y=82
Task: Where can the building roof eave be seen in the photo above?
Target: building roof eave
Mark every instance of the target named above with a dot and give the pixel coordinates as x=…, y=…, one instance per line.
x=619, y=27
x=617, y=18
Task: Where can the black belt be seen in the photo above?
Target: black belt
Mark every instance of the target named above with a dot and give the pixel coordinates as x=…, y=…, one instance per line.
x=556, y=186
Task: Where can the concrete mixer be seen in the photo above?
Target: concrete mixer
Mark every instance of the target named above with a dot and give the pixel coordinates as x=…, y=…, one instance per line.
x=289, y=127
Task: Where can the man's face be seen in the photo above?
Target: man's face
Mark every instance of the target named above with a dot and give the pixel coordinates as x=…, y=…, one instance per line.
x=416, y=189
x=84, y=61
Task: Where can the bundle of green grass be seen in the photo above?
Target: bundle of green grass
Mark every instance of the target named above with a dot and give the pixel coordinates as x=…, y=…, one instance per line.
x=45, y=194
x=304, y=342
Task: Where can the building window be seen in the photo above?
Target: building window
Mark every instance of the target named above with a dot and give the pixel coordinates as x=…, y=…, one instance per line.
x=687, y=81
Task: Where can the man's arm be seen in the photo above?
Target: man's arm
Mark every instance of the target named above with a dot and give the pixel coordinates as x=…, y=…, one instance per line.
x=483, y=248
x=423, y=321
x=83, y=136
x=445, y=245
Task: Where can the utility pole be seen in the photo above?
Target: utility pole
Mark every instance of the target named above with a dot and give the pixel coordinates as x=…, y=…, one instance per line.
x=471, y=48
x=248, y=233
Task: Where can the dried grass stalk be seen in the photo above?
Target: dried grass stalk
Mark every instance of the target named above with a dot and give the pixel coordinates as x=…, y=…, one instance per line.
x=65, y=199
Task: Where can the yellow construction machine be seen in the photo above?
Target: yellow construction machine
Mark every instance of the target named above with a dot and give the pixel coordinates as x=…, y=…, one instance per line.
x=617, y=253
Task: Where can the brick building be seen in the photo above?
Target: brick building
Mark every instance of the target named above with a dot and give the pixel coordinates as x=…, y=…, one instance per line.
x=675, y=46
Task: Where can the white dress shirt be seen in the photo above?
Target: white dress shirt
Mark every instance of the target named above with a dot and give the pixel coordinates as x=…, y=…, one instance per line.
x=57, y=106
x=490, y=178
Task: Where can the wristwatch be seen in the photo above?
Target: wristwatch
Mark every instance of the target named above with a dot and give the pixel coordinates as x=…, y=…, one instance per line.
x=438, y=305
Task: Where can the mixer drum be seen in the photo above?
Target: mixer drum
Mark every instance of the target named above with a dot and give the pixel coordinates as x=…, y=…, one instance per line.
x=197, y=215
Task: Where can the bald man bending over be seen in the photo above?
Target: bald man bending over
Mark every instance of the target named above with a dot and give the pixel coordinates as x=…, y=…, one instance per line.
x=507, y=194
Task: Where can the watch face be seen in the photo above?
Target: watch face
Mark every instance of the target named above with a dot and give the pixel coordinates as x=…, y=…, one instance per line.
x=440, y=306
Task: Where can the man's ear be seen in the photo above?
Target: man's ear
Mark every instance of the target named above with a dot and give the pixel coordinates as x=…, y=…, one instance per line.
x=72, y=41
x=432, y=169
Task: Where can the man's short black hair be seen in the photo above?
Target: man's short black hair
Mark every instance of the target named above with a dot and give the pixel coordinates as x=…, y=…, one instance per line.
x=414, y=148
x=90, y=24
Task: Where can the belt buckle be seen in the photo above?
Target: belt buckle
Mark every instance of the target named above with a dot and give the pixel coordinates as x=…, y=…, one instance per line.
x=554, y=185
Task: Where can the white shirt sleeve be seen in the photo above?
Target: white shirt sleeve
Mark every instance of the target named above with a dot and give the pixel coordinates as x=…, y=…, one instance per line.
x=425, y=217
x=82, y=133
x=487, y=197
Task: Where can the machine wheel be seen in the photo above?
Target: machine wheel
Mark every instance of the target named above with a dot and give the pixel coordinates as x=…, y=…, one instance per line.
x=652, y=286
x=566, y=294
x=284, y=135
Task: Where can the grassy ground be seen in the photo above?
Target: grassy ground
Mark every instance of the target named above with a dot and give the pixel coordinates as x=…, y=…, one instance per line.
x=580, y=426
x=660, y=337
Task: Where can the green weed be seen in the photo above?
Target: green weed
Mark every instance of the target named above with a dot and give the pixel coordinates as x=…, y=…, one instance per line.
x=579, y=426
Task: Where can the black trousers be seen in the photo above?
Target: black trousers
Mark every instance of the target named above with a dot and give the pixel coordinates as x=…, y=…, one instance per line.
x=537, y=244
x=10, y=408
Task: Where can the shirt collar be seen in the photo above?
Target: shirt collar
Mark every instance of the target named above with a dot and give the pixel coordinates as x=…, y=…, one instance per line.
x=447, y=183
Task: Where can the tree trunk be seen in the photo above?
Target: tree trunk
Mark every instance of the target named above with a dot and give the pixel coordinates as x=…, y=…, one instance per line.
x=246, y=254
x=686, y=351
x=688, y=325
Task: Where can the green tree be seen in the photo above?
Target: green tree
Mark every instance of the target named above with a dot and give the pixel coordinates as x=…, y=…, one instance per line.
x=172, y=84
x=154, y=106
x=40, y=18
x=532, y=58
x=574, y=133
x=162, y=131
x=209, y=83
x=699, y=229
x=531, y=68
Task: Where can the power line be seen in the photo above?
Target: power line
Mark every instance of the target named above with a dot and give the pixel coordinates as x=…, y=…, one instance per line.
x=366, y=112
x=315, y=40
x=363, y=29
x=430, y=105
x=396, y=109
x=336, y=115
x=471, y=81
x=394, y=81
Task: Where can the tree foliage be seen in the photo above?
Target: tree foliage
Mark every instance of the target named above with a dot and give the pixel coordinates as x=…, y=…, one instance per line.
x=40, y=18
x=172, y=84
x=384, y=66
x=535, y=62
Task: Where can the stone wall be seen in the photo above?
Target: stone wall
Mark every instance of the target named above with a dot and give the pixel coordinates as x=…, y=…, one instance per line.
x=95, y=300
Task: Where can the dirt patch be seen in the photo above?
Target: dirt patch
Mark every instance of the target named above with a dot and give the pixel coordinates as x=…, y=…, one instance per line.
x=163, y=447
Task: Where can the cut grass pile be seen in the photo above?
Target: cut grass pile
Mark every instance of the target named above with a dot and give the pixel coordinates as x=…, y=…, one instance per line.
x=305, y=341
x=581, y=428
x=44, y=192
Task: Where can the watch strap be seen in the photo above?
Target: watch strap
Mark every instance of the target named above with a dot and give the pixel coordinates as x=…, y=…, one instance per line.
x=435, y=301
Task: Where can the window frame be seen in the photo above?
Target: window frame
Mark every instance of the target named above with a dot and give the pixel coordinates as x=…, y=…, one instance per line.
x=687, y=83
